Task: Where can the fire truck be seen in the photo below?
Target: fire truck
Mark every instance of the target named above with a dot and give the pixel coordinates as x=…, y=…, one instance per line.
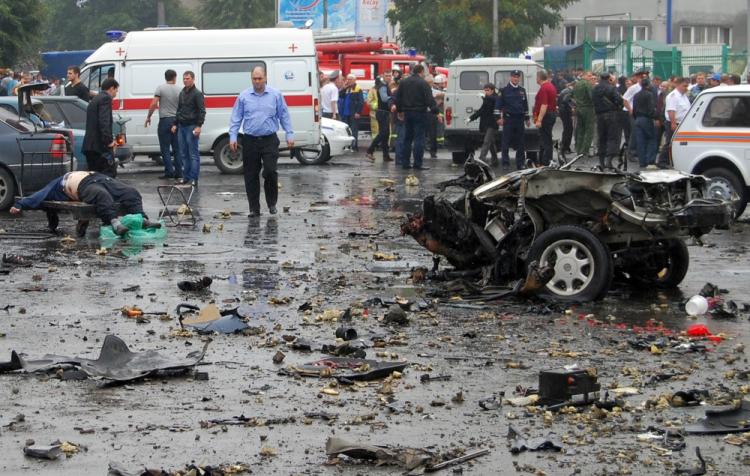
x=366, y=60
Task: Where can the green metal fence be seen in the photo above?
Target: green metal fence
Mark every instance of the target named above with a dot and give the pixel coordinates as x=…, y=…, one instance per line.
x=664, y=60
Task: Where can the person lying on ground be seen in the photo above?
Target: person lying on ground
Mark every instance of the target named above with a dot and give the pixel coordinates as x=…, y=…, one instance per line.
x=99, y=190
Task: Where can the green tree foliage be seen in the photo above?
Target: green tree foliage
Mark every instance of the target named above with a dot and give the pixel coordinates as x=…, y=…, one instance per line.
x=236, y=13
x=70, y=27
x=447, y=29
x=19, y=27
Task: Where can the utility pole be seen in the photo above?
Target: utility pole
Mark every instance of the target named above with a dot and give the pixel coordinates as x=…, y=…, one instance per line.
x=160, y=18
x=325, y=14
x=496, y=33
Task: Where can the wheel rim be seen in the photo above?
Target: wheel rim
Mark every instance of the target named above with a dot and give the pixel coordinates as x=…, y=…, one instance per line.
x=231, y=160
x=309, y=155
x=574, y=266
x=3, y=188
x=719, y=187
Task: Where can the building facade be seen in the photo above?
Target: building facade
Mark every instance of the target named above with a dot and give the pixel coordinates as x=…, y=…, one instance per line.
x=691, y=22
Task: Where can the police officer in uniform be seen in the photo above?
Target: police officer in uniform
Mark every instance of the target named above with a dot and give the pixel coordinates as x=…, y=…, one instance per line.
x=512, y=111
x=607, y=105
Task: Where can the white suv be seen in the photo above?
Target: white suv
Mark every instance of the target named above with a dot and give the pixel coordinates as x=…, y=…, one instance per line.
x=714, y=140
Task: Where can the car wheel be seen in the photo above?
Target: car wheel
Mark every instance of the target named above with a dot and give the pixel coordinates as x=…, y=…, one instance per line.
x=314, y=156
x=226, y=161
x=723, y=184
x=670, y=268
x=581, y=262
x=7, y=189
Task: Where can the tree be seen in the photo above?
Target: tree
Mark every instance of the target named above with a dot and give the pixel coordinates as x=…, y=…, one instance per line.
x=73, y=27
x=236, y=13
x=447, y=29
x=19, y=29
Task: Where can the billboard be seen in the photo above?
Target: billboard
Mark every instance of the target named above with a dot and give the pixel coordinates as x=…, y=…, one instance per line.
x=361, y=17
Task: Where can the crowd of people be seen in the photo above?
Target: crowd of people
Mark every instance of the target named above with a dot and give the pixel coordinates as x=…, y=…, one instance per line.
x=406, y=112
x=10, y=81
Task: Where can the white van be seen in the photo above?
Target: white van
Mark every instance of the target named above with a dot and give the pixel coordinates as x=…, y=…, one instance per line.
x=222, y=61
x=714, y=140
x=466, y=80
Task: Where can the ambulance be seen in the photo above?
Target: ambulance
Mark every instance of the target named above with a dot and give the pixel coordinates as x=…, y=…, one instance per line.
x=222, y=61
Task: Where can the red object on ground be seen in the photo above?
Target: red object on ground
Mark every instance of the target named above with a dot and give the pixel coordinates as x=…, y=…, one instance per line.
x=698, y=330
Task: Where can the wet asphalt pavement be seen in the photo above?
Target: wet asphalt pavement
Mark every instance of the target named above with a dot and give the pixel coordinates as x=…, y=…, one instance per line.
x=274, y=264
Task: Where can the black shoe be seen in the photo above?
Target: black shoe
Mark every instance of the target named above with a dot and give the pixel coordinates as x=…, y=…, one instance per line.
x=272, y=210
x=387, y=158
x=253, y=214
x=193, y=183
x=151, y=224
x=433, y=156
x=421, y=167
x=406, y=167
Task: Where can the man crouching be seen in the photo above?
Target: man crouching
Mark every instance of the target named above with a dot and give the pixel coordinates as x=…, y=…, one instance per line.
x=99, y=190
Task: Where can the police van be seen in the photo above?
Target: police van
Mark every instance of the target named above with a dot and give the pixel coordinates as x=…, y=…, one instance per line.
x=466, y=80
x=222, y=61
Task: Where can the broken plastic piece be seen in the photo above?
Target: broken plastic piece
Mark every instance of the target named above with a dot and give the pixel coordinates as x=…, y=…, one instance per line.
x=346, y=368
x=721, y=420
x=521, y=443
x=43, y=451
x=408, y=458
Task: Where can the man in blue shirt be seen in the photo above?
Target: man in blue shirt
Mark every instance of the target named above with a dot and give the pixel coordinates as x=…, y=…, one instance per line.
x=259, y=110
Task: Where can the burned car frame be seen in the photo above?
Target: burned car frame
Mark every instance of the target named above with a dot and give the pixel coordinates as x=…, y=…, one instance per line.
x=586, y=225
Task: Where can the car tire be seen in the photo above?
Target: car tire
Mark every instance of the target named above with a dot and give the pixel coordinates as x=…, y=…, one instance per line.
x=226, y=161
x=7, y=189
x=723, y=182
x=314, y=157
x=586, y=270
x=672, y=272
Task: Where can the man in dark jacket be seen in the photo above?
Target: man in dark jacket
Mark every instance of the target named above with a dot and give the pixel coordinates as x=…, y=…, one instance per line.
x=487, y=123
x=566, y=108
x=383, y=116
x=512, y=113
x=644, y=112
x=413, y=100
x=98, y=142
x=191, y=113
x=607, y=104
x=351, y=102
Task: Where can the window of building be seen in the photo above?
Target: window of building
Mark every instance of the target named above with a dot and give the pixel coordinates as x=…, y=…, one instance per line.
x=640, y=33
x=601, y=33
x=701, y=35
x=473, y=80
x=728, y=112
x=226, y=77
x=571, y=35
x=616, y=34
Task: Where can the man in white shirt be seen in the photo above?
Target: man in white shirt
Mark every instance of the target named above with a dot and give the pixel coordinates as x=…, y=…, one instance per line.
x=329, y=96
x=676, y=108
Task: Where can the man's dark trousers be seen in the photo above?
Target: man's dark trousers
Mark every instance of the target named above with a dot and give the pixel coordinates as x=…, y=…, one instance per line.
x=663, y=159
x=168, y=147
x=414, y=129
x=545, y=138
x=97, y=162
x=513, y=135
x=260, y=153
x=609, y=133
x=645, y=140
x=103, y=192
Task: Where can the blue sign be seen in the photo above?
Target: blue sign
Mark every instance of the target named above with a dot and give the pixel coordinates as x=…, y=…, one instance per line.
x=342, y=14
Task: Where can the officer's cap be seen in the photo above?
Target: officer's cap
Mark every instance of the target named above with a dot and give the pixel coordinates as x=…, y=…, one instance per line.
x=515, y=72
x=716, y=77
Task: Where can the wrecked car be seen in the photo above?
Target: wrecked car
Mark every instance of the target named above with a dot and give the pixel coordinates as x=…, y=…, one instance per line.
x=588, y=226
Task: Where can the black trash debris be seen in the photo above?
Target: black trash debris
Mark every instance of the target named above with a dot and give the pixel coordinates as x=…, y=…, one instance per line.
x=16, y=260
x=115, y=362
x=688, y=398
x=408, y=458
x=491, y=403
x=210, y=319
x=725, y=310
x=567, y=386
x=346, y=368
x=43, y=451
x=347, y=349
x=722, y=420
x=697, y=471
x=710, y=290
x=198, y=285
x=521, y=443
x=346, y=333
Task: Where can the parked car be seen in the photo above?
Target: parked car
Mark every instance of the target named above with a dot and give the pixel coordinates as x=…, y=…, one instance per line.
x=70, y=112
x=714, y=140
x=30, y=156
x=584, y=226
x=336, y=139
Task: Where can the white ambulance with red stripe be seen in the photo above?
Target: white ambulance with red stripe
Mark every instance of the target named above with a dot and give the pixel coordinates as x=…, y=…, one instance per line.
x=222, y=61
